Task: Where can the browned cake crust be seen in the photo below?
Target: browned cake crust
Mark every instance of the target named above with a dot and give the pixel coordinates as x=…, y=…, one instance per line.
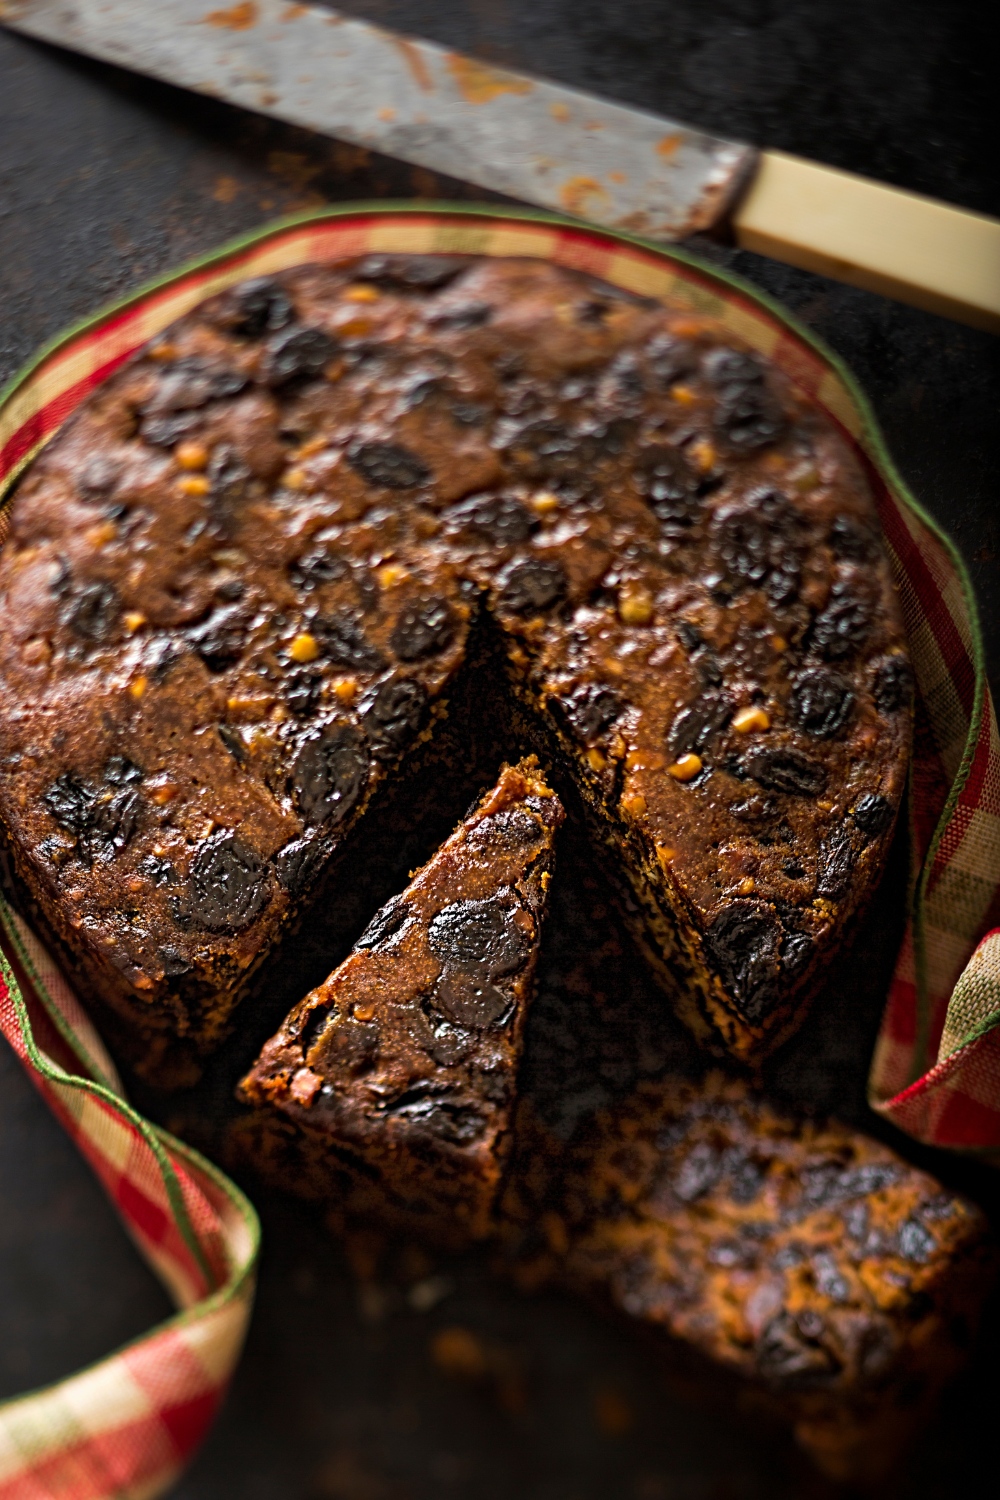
x=389, y=1090
x=838, y=1284
x=240, y=581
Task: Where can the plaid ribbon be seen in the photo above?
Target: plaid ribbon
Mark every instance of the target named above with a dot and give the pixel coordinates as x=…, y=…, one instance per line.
x=125, y=1427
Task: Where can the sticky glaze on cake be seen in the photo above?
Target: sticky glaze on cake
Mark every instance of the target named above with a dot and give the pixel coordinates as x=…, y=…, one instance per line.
x=240, y=583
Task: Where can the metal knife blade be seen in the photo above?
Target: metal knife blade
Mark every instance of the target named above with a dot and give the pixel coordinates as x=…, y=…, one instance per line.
x=525, y=137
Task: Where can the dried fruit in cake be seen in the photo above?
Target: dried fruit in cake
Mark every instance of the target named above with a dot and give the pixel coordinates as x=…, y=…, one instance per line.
x=837, y=1285
x=252, y=560
x=389, y=1090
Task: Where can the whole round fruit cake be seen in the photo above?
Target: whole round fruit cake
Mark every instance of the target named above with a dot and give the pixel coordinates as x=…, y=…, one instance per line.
x=242, y=584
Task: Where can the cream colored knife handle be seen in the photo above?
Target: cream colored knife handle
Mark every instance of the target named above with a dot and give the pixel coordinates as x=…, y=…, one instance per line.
x=908, y=247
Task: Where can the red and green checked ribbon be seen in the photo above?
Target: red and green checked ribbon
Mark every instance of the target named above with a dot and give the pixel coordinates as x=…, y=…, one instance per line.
x=125, y=1427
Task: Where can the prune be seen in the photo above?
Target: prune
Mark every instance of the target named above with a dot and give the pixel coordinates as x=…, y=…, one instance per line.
x=696, y=726
x=316, y=568
x=423, y=273
x=228, y=886
x=836, y=865
x=759, y=545
x=592, y=709
x=261, y=306
x=530, y=587
x=744, y=942
x=219, y=640
x=424, y=627
x=120, y=771
x=468, y=1001
x=301, y=688
x=345, y=643
x=296, y=354
x=915, y=1242
x=670, y=359
x=892, y=685
x=298, y=862
x=228, y=475
x=494, y=518
x=330, y=774
x=851, y=541
x=669, y=486
x=784, y=770
x=479, y=936
x=93, y=612
x=747, y=416
x=191, y=384
x=395, y=712
x=872, y=814
x=387, y=926
x=472, y=315
x=821, y=702
x=787, y=1355
x=843, y=626
x=173, y=962
x=388, y=466
x=699, y=1171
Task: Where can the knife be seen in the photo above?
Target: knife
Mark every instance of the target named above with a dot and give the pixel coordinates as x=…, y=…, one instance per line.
x=534, y=140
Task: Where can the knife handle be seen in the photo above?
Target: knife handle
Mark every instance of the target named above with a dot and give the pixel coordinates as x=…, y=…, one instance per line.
x=905, y=246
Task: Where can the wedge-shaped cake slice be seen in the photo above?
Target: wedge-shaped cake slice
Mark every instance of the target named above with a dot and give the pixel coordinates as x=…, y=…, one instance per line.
x=836, y=1286
x=389, y=1090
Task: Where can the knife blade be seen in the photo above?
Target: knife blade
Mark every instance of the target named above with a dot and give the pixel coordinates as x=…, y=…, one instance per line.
x=537, y=141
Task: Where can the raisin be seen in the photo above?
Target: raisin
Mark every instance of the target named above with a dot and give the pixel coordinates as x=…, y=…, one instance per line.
x=298, y=863
x=387, y=926
x=695, y=727
x=261, y=306
x=744, y=943
x=315, y=569
x=228, y=885
x=423, y=273
x=836, y=865
x=784, y=770
x=93, y=612
x=699, y=1171
x=301, y=688
x=669, y=486
x=469, y=413
x=494, y=518
x=164, y=432
x=843, y=626
x=296, y=354
x=120, y=771
x=543, y=446
x=448, y=1045
x=760, y=545
x=829, y=1280
x=330, y=774
x=821, y=702
x=469, y=1002
x=351, y=1044
x=851, y=541
x=233, y=742
x=796, y=950
x=592, y=709
x=439, y=1109
x=159, y=871
x=345, y=643
x=787, y=1354
x=70, y=802
x=872, y=814
x=915, y=1242
x=472, y=315
x=388, y=466
x=755, y=810
x=173, y=962
x=747, y=416
x=892, y=685
x=191, y=384
x=511, y=829
x=425, y=627
x=530, y=587
x=670, y=359
x=228, y=475
x=219, y=640
x=395, y=713
x=479, y=936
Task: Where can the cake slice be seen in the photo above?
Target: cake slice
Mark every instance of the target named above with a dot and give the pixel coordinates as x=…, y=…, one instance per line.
x=389, y=1090
x=835, y=1284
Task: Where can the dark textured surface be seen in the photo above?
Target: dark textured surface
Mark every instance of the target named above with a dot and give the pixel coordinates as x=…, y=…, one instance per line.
x=106, y=180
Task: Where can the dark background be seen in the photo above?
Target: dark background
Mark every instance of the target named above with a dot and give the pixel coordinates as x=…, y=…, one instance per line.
x=106, y=180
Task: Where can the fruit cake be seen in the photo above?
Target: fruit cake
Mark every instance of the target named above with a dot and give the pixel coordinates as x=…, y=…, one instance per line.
x=835, y=1283
x=240, y=583
x=389, y=1090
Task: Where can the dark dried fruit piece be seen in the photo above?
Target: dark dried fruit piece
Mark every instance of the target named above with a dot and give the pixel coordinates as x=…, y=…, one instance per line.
x=892, y=686
x=821, y=702
x=191, y=384
x=748, y=416
x=468, y=1001
x=301, y=688
x=744, y=942
x=695, y=727
x=394, y=715
x=796, y=951
x=233, y=742
x=261, y=306
x=425, y=627
x=852, y=541
x=165, y=432
x=531, y=587
x=786, y=1356
x=481, y=936
x=173, y=962
x=669, y=486
x=70, y=802
x=296, y=354
x=592, y=709
x=836, y=864
x=670, y=359
x=219, y=640
x=872, y=814
x=388, y=466
x=844, y=625
x=93, y=612
x=494, y=518
x=120, y=771
x=760, y=545
x=227, y=886
x=330, y=773
x=228, y=475
x=316, y=568
x=423, y=273
x=345, y=644
x=472, y=315
x=386, y=927
x=299, y=862
x=784, y=770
